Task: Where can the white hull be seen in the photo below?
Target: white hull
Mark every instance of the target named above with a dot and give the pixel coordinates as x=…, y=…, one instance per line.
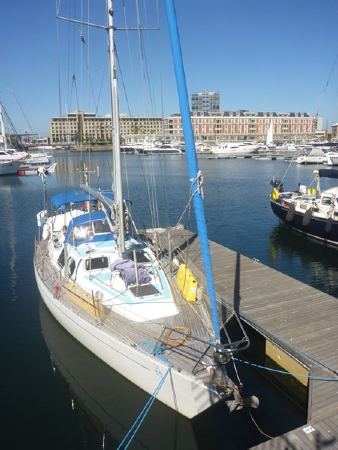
x=180, y=391
x=332, y=159
x=311, y=160
x=232, y=150
x=9, y=168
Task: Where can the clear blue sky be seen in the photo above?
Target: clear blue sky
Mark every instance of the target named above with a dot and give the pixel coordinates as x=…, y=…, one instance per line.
x=261, y=55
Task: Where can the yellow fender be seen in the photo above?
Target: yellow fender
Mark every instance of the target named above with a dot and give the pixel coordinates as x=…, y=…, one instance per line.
x=275, y=194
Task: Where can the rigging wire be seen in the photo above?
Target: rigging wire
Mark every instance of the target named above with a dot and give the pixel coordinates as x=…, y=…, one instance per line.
x=149, y=193
x=75, y=88
x=122, y=81
x=58, y=4
x=23, y=113
x=327, y=83
x=143, y=59
x=90, y=80
x=131, y=59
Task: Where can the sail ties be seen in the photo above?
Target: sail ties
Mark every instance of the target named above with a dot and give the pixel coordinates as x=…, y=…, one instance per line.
x=198, y=182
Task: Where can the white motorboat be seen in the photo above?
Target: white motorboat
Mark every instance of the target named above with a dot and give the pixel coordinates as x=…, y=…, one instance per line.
x=9, y=167
x=129, y=304
x=332, y=158
x=234, y=148
x=315, y=156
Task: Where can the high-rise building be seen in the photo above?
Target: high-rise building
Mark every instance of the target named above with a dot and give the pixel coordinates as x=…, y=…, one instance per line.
x=205, y=102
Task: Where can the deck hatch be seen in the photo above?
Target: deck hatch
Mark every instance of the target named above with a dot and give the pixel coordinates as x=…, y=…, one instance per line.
x=144, y=290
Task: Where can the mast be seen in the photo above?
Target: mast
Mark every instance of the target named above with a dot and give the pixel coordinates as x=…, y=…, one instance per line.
x=192, y=160
x=117, y=176
x=2, y=129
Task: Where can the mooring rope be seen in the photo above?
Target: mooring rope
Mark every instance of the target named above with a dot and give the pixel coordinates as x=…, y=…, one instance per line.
x=126, y=441
x=284, y=372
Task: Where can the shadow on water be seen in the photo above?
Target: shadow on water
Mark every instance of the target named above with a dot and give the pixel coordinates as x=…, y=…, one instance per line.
x=307, y=259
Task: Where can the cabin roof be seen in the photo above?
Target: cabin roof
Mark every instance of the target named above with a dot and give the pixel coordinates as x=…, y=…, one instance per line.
x=80, y=195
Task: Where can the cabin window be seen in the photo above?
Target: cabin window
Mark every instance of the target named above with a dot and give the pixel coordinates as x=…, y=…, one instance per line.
x=326, y=201
x=83, y=232
x=71, y=267
x=96, y=263
x=101, y=226
x=61, y=259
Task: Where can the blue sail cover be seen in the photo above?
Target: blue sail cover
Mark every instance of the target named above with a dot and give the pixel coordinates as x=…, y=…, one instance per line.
x=65, y=198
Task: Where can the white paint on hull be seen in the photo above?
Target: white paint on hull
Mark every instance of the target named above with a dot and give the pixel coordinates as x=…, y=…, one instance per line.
x=180, y=391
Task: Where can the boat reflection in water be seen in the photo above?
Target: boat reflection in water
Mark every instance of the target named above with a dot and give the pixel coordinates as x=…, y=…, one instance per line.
x=312, y=263
x=110, y=402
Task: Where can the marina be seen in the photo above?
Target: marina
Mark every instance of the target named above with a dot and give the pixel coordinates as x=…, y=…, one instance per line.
x=274, y=312
x=169, y=265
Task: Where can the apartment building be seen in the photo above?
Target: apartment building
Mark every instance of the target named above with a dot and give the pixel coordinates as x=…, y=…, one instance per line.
x=81, y=127
x=334, y=135
x=245, y=125
x=205, y=102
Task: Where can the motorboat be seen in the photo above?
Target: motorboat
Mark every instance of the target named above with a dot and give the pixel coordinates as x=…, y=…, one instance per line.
x=36, y=164
x=234, y=148
x=34, y=168
x=332, y=158
x=315, y=156
x=9, y=167
x=158, y=148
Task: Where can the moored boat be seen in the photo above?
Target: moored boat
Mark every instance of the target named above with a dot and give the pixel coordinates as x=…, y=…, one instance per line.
x=36, y=169
x=134, y=309
x=234, y=148
x=332, y=158
x=10, y=158
x=315, y=156
x=308, y=209
x=9, y=167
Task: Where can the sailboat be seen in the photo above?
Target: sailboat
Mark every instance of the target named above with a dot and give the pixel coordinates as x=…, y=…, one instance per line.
x=128, y=304
x=269, y=137
x=10, y=158
x=309, y=209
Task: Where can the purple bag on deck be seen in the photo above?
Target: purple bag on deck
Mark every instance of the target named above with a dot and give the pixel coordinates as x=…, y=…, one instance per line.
x=126, y=267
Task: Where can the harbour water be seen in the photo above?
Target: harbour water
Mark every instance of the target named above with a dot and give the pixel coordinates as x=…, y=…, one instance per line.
x=54, y=393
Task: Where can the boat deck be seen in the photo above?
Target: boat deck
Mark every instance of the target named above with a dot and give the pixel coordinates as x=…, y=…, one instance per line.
x=150, y=336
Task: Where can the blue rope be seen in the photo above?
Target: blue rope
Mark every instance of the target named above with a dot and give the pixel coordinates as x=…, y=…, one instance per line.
x=284, y=372
x=140, y=418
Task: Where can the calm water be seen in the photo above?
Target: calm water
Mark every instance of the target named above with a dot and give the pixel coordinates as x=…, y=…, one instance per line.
x=56, y=395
